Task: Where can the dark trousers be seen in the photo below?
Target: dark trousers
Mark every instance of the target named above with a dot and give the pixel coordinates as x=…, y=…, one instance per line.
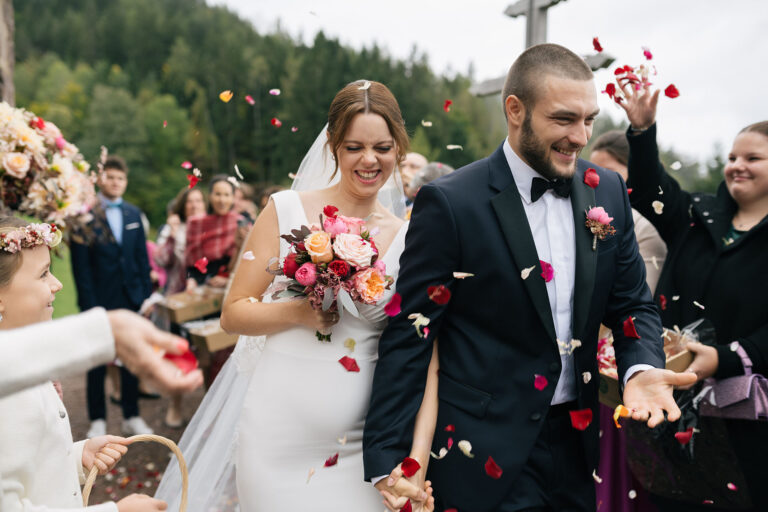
x=129, y=393
x=555, y=477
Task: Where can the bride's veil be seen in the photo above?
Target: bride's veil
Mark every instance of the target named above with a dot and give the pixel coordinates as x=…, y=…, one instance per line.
x=209, y=443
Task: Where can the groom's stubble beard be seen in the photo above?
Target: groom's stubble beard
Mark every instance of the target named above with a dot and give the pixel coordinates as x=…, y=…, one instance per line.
x=534, y=152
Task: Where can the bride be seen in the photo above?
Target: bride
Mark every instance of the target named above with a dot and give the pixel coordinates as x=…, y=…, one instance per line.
x=285, y=418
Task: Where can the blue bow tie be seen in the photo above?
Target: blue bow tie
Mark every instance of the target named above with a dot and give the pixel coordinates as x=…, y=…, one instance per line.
x=113, y=204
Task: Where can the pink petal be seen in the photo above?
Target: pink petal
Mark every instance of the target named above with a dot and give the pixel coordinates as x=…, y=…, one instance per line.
x=540, y=382
x=393, y=306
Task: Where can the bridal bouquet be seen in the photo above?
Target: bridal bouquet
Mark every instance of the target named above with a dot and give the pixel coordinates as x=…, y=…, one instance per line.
x=41, y=174
x=333, y=264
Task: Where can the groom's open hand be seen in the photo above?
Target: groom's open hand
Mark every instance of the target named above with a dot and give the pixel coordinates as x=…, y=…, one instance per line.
x=648, y=394
x=397, y=490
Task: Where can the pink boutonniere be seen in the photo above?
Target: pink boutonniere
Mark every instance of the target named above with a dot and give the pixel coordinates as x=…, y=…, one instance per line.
x=599, y=224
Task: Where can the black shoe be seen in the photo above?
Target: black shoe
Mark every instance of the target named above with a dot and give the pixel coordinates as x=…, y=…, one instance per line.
x=115, y=400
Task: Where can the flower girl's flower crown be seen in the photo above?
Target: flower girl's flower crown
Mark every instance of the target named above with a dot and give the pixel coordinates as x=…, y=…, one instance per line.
x=29, y=237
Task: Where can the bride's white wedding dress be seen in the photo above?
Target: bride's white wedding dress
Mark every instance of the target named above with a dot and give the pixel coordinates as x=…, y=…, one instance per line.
x=297, y=408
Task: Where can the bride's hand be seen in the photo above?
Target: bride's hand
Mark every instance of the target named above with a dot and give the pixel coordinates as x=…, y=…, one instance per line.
x=319, y=320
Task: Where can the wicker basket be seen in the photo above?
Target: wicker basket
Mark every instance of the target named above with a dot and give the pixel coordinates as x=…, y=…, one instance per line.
x=143, y=439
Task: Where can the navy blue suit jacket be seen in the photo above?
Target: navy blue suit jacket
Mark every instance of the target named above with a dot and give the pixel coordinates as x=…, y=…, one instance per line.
x=497, y=331
x=109, y=274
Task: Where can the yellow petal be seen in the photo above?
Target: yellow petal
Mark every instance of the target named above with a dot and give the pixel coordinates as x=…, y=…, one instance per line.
x=349, y=344
x=225, y=96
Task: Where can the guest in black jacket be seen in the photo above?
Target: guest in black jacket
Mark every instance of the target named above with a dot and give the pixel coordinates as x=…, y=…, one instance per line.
x=717, y=265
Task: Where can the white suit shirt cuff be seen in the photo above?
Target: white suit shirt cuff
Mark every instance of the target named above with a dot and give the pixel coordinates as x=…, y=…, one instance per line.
x=634, y=369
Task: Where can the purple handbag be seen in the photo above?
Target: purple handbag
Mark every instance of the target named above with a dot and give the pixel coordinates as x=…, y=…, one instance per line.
x=744, y=397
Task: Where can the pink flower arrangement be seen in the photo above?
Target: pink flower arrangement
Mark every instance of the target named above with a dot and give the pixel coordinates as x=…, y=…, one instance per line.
x=333, y=263
x=599, y=224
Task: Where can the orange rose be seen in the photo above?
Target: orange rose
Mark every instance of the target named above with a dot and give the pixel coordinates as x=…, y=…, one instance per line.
x=370, y=284
x=318, y=246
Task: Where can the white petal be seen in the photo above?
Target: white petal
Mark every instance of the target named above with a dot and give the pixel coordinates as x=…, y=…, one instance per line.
x=658, y=207
x=462, y=275
x=248, y=255
x=466, y=448
x=526, y=272
x=451, y=147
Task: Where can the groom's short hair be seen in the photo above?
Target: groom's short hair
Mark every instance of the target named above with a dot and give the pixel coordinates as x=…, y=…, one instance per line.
x=529, y=69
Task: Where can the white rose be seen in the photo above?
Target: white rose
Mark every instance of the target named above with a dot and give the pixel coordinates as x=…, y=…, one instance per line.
x=353, y=249
x=16, y=164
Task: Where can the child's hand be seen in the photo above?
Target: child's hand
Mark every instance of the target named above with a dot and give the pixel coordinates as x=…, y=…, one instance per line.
x=104, y=452
x=140, y=503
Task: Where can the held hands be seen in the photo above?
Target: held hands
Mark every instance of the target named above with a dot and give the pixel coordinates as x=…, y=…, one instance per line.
x=705, y=361
x=640, y=105
x=140, y=503
x=104, y=452
x=397, y=490
x=648, y=394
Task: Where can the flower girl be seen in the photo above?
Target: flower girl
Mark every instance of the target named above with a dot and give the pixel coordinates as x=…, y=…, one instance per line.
x=40, y=467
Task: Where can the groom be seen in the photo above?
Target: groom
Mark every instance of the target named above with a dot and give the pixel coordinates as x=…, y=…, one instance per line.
x=518, y=338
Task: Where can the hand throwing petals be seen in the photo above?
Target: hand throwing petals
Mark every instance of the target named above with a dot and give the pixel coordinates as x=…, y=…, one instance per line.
x=409, y=467
x=492, y=469
x=581, y=418
x=629, y=328
x=349, y=363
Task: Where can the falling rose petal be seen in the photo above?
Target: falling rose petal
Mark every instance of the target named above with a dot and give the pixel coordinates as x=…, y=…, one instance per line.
x=294, y=129
x=540, y=381
x=462, y=275
x=684, y=437
x=629, y=328
x=591, y=178
x=450, y=428
x=250, y=99
x=587, y=376
x=610, y=90
x=526, y=272
x=349, y=363
x=274, y=92
x=671, y=91
x=202, y=265
x=331, y=461
x=596, y=45
x=426, y=332
x=309, y=475
x=393, y=306
x=466, y=448
x=451, y=147
x=225, y=96
x=426, y=124
x=342, y=440
x=675, y=298
x=632, y=494
x=662, y=302
x=676, y=166
x=439, y=294
x=595, y=477
x=492, y=469
x=409, y=467
x=186, y=165
x=658, y=207
x=547, y=272
x=192, y=180
x=698, y=305
x=366, y=85
x=276, y=122
x=248, y=256
x=708, y=502
x=407, y=507
x=447, y=105
x=165, y=123
x=442, y=454
x=732, y=487
x=647, y=53
x=581, y=418
x=233, y=181
x=185, y=362
x=620, y=412
x=449, y=443
x=253, y=300
x=629, y=190
x=196, y=172
x=350, y=344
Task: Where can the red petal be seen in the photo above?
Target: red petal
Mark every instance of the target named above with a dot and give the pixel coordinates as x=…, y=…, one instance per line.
x=647, y=53
x=591, y=178
x=276, y=122
x=492, y=469
x=610, y=90
x=540, y=382
x=410, y=467
x=451, y=510
x=330, y=211
x=547, y=272
x=192, y=180
x=185, y=362
x=202, y=265
x=250, y=99
x=407, y=507
x=671, y=91
x=165, y=123
x=450, y=428
x=629, y=328
x=449, y=444
x=581, y=419
x=684, y=437
x=596, y=45
x=393, y=306
x=447, y=105
x=349, y=363
x=439, y=294
x=663, y=302
x=629, y=191
x=331, y=461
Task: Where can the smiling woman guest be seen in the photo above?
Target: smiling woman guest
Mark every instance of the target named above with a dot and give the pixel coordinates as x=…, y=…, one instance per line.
x=716, y=269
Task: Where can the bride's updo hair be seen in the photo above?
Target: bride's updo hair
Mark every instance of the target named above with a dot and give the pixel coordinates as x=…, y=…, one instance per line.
x=365, y=97
x=9, y=262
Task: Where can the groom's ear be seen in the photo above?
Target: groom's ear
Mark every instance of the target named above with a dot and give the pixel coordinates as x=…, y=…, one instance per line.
x=515, y=111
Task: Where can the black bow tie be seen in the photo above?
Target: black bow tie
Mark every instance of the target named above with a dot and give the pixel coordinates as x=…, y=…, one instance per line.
x=561, y=187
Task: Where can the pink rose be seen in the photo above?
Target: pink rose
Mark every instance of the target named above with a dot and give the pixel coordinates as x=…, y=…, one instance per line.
x=307, y=274
x=16, y=164
x=353, y=249
x=599, y=214
x=380, y=266
x=334, y=226
x=61, y=143
x=354, y=224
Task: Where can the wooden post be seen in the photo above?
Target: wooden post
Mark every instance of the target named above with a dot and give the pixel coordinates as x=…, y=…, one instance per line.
x=7, y=91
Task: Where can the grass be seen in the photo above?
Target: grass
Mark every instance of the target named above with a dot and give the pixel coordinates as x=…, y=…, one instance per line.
x=66, y=299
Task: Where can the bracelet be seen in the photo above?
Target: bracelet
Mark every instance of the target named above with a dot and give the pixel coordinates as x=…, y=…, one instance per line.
x=637, y=131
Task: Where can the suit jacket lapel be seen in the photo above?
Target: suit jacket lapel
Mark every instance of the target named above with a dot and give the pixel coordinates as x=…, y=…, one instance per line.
x=582, y=198
x=517, y=232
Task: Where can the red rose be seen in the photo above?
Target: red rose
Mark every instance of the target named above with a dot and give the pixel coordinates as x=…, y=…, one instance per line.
x=300, y=247
x=339, y=267
x=290, y=266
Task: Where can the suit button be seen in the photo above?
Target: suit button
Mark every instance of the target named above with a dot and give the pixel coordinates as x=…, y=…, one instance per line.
x=554, y=368
x=535, y=416
x=62, y=414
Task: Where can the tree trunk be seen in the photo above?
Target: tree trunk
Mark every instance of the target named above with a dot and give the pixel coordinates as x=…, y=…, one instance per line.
x=7, y=91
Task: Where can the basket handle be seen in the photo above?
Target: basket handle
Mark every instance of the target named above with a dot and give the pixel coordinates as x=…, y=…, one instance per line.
x=144, y=438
